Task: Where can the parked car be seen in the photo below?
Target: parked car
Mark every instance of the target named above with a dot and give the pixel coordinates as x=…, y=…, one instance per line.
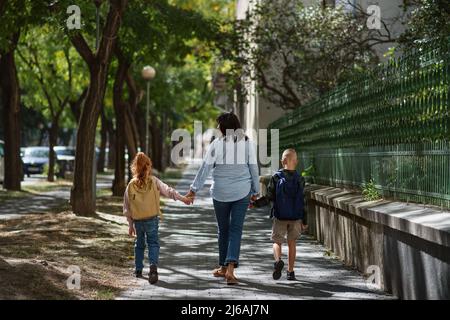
x=34, y=159
x=65, y=158
x=2, y=161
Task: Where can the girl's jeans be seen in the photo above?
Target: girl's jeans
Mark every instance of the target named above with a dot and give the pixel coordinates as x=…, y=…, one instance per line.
x=146, y=232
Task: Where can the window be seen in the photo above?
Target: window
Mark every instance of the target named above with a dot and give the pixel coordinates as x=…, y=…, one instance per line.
x=65, y=152
x=36, y=153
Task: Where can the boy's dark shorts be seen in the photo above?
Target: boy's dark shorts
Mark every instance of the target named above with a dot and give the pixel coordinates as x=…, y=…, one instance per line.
x=282, y=228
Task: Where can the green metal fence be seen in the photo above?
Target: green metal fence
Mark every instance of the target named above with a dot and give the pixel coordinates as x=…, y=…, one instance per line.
x=391, y=125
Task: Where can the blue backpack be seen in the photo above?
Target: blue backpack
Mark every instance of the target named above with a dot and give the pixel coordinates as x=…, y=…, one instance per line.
x=289, y=202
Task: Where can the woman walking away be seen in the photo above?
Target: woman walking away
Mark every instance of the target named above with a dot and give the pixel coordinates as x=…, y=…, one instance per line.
x=232, y=160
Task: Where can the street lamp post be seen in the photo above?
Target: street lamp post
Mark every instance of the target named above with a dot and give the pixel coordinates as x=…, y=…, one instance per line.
x=148, y=73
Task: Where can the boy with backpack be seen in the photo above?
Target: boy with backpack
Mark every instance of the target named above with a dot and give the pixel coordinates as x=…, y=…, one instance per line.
x=285, y=191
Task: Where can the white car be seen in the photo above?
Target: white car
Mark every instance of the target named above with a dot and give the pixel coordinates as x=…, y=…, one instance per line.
x=2, y=161
x=65, y=158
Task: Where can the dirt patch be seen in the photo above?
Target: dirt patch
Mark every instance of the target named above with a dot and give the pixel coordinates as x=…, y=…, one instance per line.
x=110, y=204
x=37, y=250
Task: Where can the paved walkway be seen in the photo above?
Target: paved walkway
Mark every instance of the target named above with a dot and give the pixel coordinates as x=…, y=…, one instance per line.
x=42, y=202
x=189, y=253
x=35, y=204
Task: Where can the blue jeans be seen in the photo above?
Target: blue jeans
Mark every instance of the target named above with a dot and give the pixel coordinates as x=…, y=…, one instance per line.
x=146, y=231
x=230, y=221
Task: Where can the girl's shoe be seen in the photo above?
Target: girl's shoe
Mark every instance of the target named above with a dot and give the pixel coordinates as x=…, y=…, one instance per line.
x=153, y=274
x=138, y=273
x=219, y=272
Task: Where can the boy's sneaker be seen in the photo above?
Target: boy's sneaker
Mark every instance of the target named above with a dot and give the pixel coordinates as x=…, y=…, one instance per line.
x=138, y=273
x=153, y=274
x=277, y=267
x=291, y=275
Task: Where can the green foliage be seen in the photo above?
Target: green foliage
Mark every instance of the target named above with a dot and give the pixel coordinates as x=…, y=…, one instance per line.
x=177, y=39
x=51, y=73
x=391, y=124
x=302, y=52
x=218, y=9
x=370, y=191
x=402, y=101
x=154, y=30
x=309, y=174
x=180, y=43
x=429, y=19
x=180, y=39
x=19, y=15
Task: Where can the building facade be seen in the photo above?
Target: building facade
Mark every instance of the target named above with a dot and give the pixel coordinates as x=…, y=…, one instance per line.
x=256, y=112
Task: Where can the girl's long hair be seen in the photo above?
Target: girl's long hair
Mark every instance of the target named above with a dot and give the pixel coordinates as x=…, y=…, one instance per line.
x=141, y=168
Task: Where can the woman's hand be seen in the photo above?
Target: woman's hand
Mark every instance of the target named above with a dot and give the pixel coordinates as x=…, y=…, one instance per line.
x=191, y=196
x=253, y=198
x=186, y=200
x=131, y=230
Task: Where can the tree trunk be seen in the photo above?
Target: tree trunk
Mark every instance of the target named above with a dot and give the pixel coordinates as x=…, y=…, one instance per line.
x=130, y=141
x=132, y=109
x=41, y=137
x=156, y=143
x=118, y=187
x=52, y=140
x=9, y=84
x=129, y=136
x=170, y=144
x=104, y=136
x=111, y=145
x=82, y=195
x=164, y=146
x=76, y=106
x=83, y=191
x=140, y=121
x=130, y=173
x=2, y=6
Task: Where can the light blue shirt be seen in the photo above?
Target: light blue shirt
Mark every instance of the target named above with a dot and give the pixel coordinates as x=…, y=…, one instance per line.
x=234, y=168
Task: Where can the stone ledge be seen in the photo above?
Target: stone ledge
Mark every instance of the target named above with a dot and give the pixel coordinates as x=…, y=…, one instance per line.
x=428, y=223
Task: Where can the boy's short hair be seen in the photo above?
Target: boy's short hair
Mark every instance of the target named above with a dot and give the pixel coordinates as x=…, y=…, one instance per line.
x=288, y=153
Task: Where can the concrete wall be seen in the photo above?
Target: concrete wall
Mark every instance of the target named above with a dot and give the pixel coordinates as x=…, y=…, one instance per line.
x=409, y=243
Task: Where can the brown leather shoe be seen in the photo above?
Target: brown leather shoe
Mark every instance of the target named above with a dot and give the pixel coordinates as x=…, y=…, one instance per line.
x=219, y=272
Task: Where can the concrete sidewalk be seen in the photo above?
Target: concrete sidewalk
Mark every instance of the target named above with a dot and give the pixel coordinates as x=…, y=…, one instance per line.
x=42, y=202
x=189, y=252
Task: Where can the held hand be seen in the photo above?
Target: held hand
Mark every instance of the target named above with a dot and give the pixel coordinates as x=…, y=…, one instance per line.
x=131, y=230
x=304, y=227
x=190, y=195
x=187, y=200
x=253, y=198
